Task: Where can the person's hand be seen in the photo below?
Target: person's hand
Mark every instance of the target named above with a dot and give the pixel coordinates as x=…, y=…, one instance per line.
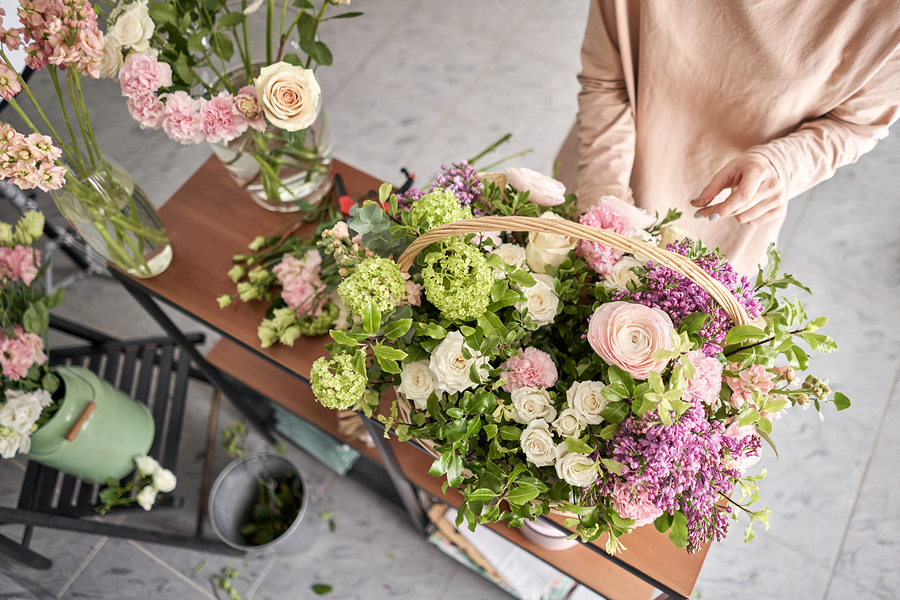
x=757, y=194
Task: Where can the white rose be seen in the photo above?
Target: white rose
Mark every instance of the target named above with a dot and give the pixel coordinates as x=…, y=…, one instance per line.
x=9, y=444
x=530, y=404
x=576, y=469
x=569, y=423
x=111, y=60
x=450, y=368
x=548, y=248
x=417, y=383
x=146, y=497
x=289, y=95
x=133, y=28
x=541, y=302
x=164, y=480
x=537, y=444
x=147, y=465
x=512, y=254
x=672, y=233
x=542, y=190
x=20, y=413
x=586, y=400
x=622, y=274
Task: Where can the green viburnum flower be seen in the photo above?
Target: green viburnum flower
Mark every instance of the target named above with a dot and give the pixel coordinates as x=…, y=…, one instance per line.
x=437, y=208
x=283, y=327
x=336, y=383
x=236, y=273
x=258, y=275
x=6, y=234
x=459, y=281
x=375, y=280
x=311, y=326
x=247, y=291
x=223, y=300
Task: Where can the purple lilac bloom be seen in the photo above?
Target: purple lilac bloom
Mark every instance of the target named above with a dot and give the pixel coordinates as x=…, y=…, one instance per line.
x=682, y=467
x=406, y=199
x=462, y=180
x=678, y=296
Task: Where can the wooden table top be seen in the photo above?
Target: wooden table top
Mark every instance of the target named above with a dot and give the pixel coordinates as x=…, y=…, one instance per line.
x=209, y=220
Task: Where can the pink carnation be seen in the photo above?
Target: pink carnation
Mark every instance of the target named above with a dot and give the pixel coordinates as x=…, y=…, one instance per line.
x=303, y=296
x=751, y=457
x=247, y=105
x=181, y=118
x=146, y=110
x=143, y=74
x=530, y=368
x=221, y=119
x=707, y=381
x=33, y=343
x=602, y=258
x=19, y=263
x=633, y=503
x=15, y=358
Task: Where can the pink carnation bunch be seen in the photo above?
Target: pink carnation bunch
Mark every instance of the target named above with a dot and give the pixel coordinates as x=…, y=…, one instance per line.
x=600, y=257
x=301, y=287
x=20, y=352
x=142, y=74
x=30, y=162
x=531, y=368
x=707, y=380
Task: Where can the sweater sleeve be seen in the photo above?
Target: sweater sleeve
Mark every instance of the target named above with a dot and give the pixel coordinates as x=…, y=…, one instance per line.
x=812, y=152
x=606, y=128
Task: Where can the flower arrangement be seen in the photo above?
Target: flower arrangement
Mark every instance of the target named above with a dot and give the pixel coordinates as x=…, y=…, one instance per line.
x=28, y=385
x=548, y=372
x=177, y=67
x=150, y=479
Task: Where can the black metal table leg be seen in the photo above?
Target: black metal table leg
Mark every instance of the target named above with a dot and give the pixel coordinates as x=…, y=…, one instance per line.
x=264, y=425
x=395, y=472
x=22, y=554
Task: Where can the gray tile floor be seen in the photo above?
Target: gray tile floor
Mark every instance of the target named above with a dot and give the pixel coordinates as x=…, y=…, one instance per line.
x=418, y=83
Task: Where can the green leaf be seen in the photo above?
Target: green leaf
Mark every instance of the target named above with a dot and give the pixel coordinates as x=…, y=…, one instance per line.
x=773, y=406
x=749, y=416
x=56, y=298
x=371, y=319
x=609, y=431
x=294, y=60
x=764, y=425
x=663, y=522
x=162, y=12
x=523, y=278
x=107, y=495
x=306, y=26
x=321, y=589
x=346, y=15
x=342, y=338
x=841, y=402
x=183, y=69
x=359, y=362
x=480, y=495
x=397, y=329
x=522, y=493
x=384, y=192
x=816, y=323
x=613, y=466
x=617, y=375
x=692, y=323
x=742, y=333
x=679, y=532
x=575, y=445
x=388, y=366
x=388, y=353
x=231, y=19
x=615, y=412
x=221, y=45
x=510, y=433
x=303, y=4
x=317, y=51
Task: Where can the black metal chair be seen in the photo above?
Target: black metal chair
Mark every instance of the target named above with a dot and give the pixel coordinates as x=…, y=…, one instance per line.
x=49, y=498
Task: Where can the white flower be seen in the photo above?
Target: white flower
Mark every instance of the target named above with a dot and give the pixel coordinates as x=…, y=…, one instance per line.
x=10, y=443
x=417, y=383
x=133, y=27
x=22, y=410
x=672, y=233
x=289, y=95
x=343, y=321
x=537, y=444
x=498, y=179
x=622, y=274
x=530, y=404
x=541, y=302
x=586, y=400
x=451, y=369
x=542, y=190
x=548, y=248
x=146, y=497
x=512, y=254
x=111, y=59
x=576, y=469
x=164, y=480
x=569, y=423
x=147, y=466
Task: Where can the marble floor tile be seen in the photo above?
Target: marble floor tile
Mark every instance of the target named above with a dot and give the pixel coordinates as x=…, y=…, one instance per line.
x=871, y=551
x=496, y=19
x=466, y=584
x=891, y=426
x=554, y=31
x=793, y=221
x=842, y=588
x=17, y=587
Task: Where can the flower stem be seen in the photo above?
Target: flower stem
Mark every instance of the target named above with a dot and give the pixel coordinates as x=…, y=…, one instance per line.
x=81, y=119
x=270, y=15
x=315, y=31
x=248, y=63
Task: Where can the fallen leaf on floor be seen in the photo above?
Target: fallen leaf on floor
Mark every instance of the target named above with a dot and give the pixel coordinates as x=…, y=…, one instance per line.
x=322, y=589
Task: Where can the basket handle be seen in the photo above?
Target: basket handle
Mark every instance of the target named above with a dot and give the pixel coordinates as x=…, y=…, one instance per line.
x=676, y=262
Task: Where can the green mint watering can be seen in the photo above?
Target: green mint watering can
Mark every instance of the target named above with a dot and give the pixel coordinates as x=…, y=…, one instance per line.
x=97, y=431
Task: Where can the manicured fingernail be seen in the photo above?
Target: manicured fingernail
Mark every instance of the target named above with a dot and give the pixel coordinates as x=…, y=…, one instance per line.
x=694, y=200
x=698, y=215
x=713, y=216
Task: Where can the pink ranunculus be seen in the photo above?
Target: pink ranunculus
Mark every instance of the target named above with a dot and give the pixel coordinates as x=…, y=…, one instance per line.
x=181, y=119
x=15, y=358
x=541, y=189
x=752, y=455
x=637, y=218
x=247, y=104
x=707, y=380
x=221, y=121
x=630, y=335
x=340, y=230
x=600, y=257
x=531, y=368
x=143, y=74
x=146, y=110
x=33, y=342
x=633, y=503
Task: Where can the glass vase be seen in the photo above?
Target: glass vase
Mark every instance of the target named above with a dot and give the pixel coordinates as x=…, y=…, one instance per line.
x=115, y=218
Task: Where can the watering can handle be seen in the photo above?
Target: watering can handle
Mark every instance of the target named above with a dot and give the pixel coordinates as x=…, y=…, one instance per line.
x=80, y=421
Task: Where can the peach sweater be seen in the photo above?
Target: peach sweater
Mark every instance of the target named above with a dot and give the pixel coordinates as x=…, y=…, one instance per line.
x=674, y=90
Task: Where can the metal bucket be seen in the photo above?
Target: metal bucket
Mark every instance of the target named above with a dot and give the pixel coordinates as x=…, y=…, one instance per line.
x=234, y=493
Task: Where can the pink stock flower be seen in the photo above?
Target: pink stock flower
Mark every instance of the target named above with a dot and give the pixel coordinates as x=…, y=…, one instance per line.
x=633, y=503
x=221, y=119
x=181, y=118
x=9, y=82
x=15, y=358
x=146, y=110
x=630, y=335
x=340, y=230
x=754, y=379
x=49, y=176
x=301, y=287
x=42, y=148
x=33, y=343
x=143, y=74
x=707, y=380
x=247, y=104
x=530, y=368
x=600, y=257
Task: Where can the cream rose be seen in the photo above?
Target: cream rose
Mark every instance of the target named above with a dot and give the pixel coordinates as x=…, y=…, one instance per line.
x=541, y=302
x=511, y=254
x=537, y=444
x=622, y=274
x=146, y=465
x=146, y=497
x=498, y=179
x=289, y=95
x=530, y=404
x=569, y=423
x=164, y=480
x=672, y=233
x=630, y=335
x=542, y=190
x=417, y=383
x=133, y=27
x=548, y=248
x=450, y=368
x=586, y=400
x=576, y=469
x=110, y=61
